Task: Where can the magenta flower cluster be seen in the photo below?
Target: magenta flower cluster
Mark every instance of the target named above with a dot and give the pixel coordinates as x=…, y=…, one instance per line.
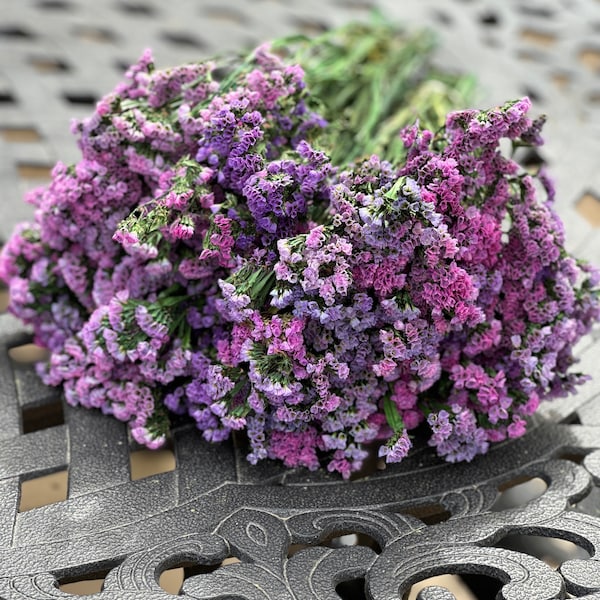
x=206, y=258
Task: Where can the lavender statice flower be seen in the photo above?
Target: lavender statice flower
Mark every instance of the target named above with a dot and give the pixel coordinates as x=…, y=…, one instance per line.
x=396, y=448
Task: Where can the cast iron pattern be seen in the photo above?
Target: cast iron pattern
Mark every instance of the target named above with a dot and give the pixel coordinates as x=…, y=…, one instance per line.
x=413, y=521
x=278, y=523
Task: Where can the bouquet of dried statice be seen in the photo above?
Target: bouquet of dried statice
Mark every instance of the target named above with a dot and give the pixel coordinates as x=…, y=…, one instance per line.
x=303, y=262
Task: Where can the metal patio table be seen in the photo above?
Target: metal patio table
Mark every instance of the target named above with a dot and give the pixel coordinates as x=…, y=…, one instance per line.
x=286, y=528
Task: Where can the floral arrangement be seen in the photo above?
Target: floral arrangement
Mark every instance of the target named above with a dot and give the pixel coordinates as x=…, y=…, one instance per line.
x=229, y=247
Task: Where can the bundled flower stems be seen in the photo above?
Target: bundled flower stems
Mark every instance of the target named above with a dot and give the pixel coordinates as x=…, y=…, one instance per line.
x=293, y=254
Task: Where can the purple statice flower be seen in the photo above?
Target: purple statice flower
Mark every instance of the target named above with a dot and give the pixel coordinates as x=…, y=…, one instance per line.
x=396, y=448
x=456, y=437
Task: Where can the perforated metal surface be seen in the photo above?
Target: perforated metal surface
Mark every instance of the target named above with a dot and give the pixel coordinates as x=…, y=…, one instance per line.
x=56, y=58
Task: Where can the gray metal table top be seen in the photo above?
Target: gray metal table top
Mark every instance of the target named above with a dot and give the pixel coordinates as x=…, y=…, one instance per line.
x=419, y=519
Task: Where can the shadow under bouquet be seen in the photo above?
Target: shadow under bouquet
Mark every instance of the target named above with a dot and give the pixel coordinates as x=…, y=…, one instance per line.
x=275, y=244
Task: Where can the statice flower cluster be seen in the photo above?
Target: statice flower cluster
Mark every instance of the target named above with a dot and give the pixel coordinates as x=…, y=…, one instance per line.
x=436, y=292
x=126, y=311
x=206, y=258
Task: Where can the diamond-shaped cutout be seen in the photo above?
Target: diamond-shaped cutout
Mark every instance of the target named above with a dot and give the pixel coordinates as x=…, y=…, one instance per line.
x=44, y=490
x=4, y=299
x=89, y=33
x=38, y=171
x=6, y=97
x=80, y=98
x=15, y=32
x=27, y=354
x=146, y=463
x=137, y=8
x=588, y=206
x=35, y=418
x=537, y=37
x=590, y=58
x=20, y=134
x=48, y=64
x=54, y=5
x=183, y=39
